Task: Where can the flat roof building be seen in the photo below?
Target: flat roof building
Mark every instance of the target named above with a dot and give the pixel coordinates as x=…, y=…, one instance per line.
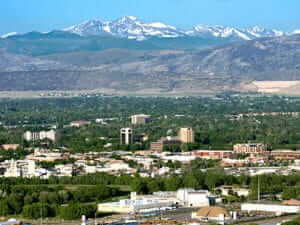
x=157, y=146
x=271, y=208
x=140, y=119
x=285, y=154
x=249, y=148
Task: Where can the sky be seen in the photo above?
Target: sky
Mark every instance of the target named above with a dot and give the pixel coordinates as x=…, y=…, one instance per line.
x=45, y=15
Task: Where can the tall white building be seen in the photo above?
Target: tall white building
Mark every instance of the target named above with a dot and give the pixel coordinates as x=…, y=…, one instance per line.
x=126, y=136
x=36, y=136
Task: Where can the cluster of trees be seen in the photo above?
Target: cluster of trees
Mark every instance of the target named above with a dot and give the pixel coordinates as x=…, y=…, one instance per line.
x=69, y=212
x=17, y=154
x=34, y=201
x=291, y=193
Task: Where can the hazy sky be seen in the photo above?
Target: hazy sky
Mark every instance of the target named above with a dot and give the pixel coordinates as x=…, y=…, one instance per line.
x=45, y=15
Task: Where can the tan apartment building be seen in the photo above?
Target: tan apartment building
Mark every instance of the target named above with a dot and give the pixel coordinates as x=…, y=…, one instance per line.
x=186, y=135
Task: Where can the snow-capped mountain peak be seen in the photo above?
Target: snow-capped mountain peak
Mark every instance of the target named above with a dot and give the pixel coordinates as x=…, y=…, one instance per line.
x=127, y=27
x=129, y=19
x=219, y=32
x=296, y=31
x=9, y=34
x=132, y=28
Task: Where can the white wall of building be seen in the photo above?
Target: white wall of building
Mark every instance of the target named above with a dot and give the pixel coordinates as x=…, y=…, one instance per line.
x=278, y=209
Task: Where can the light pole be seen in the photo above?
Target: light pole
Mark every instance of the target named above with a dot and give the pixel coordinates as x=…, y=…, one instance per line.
x=41, y=213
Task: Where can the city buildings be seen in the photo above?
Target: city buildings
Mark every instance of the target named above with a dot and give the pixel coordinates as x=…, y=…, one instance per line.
x=126, y=136
x=249, y=148
x=41, y=135
x=140, y=119
x=20, y=168
x=212, y=154
x=47, y=155
x=186, y=135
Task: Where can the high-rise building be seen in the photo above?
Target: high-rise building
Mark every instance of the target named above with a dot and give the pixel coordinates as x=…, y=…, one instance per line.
x=140, y=119
x=126, y=136
x=186, y=135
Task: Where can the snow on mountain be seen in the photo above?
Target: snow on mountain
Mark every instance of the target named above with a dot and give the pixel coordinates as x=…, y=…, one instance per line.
x=125, y=27
x=296, y=32
x=132, y=28
x=235, y=33
x=9, y=34
x=258, y=32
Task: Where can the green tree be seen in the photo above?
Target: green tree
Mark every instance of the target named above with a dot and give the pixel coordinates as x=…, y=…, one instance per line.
x=5, y=208
x=36, y=210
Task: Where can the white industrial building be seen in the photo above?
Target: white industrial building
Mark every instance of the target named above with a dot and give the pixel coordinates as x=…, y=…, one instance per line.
x=192, y=198
x=137, y=204
x=159, y=201
x=272, y=208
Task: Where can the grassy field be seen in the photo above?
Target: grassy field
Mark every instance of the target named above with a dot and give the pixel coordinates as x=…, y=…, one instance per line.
x=73, y=187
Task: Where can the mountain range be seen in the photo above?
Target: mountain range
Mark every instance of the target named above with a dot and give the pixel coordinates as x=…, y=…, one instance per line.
x=131, y=28
x=128, y=56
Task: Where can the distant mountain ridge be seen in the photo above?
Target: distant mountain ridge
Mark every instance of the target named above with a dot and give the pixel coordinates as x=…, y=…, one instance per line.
x=130, y=56
x=130, y=27
x=232, y=66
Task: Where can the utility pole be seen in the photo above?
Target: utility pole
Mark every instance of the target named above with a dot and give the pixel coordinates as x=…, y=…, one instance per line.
x=258, y=189
x=41, y=212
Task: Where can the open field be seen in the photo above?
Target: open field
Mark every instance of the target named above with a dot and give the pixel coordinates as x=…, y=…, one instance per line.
x=70, y=94
x=278, y=87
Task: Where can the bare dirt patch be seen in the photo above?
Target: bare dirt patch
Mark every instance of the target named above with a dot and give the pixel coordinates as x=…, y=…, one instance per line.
x=278, y=87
